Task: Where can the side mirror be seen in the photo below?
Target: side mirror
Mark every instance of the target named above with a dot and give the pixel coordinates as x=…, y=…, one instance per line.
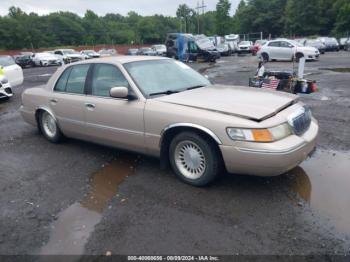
x=119, y=92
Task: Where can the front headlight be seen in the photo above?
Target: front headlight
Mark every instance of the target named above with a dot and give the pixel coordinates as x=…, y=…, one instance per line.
x=260, y=135
x=4, y=81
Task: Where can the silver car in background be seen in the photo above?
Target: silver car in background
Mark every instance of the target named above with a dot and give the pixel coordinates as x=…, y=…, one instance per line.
x=161, y=107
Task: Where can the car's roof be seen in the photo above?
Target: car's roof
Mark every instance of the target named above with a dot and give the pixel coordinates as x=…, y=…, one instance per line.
x=122, y=59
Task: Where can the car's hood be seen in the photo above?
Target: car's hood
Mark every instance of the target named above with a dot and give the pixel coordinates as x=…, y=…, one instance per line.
x=74, y=55
x=307, y=48
x=248, y=102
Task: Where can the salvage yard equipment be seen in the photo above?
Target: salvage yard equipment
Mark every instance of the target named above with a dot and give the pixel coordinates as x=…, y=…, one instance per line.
x=284, y=81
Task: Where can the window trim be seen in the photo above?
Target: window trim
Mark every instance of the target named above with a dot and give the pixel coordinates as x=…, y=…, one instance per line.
x=89, y=83
x=71, y=68
x=279, y=44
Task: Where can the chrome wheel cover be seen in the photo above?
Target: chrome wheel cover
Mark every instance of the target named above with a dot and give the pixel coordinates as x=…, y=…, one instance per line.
x=49, y=125
x=190, y=159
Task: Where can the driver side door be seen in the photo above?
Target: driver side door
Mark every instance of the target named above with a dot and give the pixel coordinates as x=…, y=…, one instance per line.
x=112, y=121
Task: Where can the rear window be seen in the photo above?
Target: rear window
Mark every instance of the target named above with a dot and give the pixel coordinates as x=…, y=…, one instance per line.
x=73, y=79
x=7, y=61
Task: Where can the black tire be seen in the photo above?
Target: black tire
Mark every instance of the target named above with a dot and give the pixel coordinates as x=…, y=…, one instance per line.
x=265, y=57
x=56, y=136
x=298, y=56
x=209, y=152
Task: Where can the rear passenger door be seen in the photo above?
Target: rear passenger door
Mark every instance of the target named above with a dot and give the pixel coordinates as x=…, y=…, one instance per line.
x=68, y=100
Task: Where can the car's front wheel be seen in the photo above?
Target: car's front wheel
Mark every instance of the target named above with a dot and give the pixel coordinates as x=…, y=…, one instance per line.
x=195, y=160
x=298, y=56
x=49, y=127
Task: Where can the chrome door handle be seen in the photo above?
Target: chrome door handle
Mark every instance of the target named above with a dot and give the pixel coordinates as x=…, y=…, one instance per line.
x=53, y=101
x=90, y=105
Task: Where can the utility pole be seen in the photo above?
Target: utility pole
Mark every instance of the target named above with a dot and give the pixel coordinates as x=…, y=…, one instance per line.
x=200, y=8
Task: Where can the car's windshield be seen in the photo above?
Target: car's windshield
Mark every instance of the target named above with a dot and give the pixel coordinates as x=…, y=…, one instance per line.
x=159, y=47
x=260, y=42
x=154, y=76
x=314, y=42
x=44, y=55
x=68, y=52
x=244, y=43
x=6, y=61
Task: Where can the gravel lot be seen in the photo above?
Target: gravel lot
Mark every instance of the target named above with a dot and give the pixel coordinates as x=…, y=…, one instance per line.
x=81, y=198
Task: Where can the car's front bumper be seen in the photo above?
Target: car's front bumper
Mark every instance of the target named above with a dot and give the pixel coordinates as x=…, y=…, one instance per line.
x=270, y=159
x=312, y=56
x=5, y=91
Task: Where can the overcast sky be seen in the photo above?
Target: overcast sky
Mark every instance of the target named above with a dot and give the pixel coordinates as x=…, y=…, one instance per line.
x=101, y=7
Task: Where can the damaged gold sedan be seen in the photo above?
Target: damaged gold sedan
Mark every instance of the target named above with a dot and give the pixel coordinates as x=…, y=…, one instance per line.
x=162, y=107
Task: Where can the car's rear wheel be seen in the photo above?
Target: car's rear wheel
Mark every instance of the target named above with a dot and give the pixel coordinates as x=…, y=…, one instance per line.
x=49, y=127
x=265, y=57
x=195, y=160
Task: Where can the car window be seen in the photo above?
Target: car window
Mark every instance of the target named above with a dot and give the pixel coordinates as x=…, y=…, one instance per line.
x=62, y=81
x=154, y=76
x=76, y=79
x=105, y=77
x=285, y=44
x=6, y=61
x=274, y=44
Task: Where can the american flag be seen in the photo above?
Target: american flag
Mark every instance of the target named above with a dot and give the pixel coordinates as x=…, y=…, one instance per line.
x=273, y=84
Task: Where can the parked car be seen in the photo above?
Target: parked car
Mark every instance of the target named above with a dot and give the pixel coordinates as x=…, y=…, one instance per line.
x=331, y=43
x=5, y=87
x=90, y=54
x=257, y=45
x=244, y=47
x=146, y=51
x=24, y=61
x=317, y=44
x=232, y=40
x=46, y=59
x=342, y=42
x=13, y=72
x=132, y=51
x=163, y=108
x=187, y=47
x=69, y=55
x=108, y=52
x=347, y=45
x=284, y=49
x=159, y=49
x=224, y=49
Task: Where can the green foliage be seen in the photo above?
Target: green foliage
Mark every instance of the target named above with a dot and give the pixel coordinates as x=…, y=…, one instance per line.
x=293, y=17
x=276, y=17
x=223, y=19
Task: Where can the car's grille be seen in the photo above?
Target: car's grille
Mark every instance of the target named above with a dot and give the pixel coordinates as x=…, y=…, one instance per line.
x=301, y=123
x=8, y=90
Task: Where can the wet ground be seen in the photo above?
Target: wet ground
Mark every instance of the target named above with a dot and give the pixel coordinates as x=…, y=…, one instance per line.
x=81, y=198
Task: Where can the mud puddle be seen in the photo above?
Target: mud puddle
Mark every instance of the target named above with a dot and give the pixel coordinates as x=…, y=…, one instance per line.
x=324, y=182
x=338, y=70
x=70, y=232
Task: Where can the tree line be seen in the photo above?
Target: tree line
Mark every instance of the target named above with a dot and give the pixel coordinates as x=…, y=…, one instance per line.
x=272, y=17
